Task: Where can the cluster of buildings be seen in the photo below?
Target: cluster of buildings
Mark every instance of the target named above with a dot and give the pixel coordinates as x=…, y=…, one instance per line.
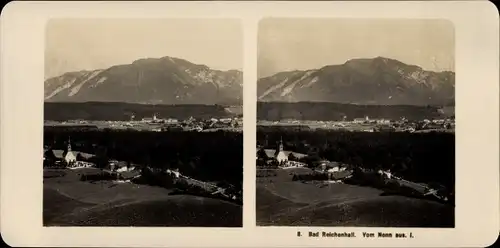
x=157, y=124
x=282, y=158
x=438, y=123
x=209, y=187
x=425, y=125
x=365, y=124
x=367, y=120
x=336, y=172
x=124, y=171
x=70, y=159
x=223, y=123
x=423, y=189
x=190, y=124
x=155, y=119
x=67, y=158
x=404, y=125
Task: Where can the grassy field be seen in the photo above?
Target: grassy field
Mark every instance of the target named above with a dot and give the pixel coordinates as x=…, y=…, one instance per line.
x=282, y=202
x=70, y=202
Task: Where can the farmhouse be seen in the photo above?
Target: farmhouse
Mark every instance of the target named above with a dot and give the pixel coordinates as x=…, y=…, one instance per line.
x=386, y=174
x=174, y=172
x=334, y=170
x=293, y=164
x=120, y=166
x=329, y=166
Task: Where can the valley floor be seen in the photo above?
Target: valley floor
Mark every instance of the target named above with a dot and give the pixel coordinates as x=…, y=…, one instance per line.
x=283, y=202
x=67, y=201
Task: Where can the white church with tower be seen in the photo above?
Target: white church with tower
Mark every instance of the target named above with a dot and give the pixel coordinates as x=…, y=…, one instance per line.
x=279, y=154
x=68, y=155
x=67, y=158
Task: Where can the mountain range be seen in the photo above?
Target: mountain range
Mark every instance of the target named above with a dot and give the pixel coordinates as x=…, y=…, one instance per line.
x=373, y=81
x=165, y=80
x=170, y=81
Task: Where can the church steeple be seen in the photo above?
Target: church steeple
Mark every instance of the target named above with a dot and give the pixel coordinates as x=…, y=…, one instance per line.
x=280, y=145
x=69, y=143
x=68, y=155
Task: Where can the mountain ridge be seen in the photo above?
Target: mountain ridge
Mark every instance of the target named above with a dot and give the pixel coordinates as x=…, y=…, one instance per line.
x=165, y=80
x=376, y=81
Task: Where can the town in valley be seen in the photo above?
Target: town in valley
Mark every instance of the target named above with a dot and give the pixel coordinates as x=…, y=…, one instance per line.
x=358, y=128
x=92, y=162
x=308, y=164
x=135, y=132
x=157, y=124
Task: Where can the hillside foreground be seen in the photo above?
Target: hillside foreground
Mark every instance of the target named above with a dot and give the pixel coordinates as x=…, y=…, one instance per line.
x=283, y=202
x=67, y=201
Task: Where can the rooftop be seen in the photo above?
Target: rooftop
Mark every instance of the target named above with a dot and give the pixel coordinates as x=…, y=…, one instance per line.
x=59, y=153
x=270, y=153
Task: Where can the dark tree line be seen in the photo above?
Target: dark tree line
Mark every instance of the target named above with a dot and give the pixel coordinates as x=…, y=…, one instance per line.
x=116, y=111
x=207, y=156
x=329, y=111
x=422, y=157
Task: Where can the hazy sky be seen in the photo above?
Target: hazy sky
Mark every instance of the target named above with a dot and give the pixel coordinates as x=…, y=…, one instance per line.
x=84, y=44
x=298, y=44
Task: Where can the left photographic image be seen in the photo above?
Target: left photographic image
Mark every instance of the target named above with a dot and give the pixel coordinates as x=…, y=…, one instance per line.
x=143, y=123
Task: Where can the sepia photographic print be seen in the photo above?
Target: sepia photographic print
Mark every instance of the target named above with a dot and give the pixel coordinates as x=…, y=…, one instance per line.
x=249, y=124
x=143, y=123
x=356, y=123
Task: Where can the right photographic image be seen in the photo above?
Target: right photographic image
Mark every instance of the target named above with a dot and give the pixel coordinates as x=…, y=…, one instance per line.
x=355, y=123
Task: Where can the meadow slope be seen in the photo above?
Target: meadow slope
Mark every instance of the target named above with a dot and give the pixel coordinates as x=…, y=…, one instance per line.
x=69, y=202
x=282, y=202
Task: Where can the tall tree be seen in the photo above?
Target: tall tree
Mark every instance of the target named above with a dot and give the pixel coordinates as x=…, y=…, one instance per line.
x=261, y=154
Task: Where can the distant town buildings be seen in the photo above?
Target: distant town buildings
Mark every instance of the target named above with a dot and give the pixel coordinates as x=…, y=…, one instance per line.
x=171, y=121
x=367, y=120
x=361, y=120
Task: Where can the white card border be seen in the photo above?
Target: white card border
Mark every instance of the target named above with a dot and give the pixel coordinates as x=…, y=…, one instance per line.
x=477, y=108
